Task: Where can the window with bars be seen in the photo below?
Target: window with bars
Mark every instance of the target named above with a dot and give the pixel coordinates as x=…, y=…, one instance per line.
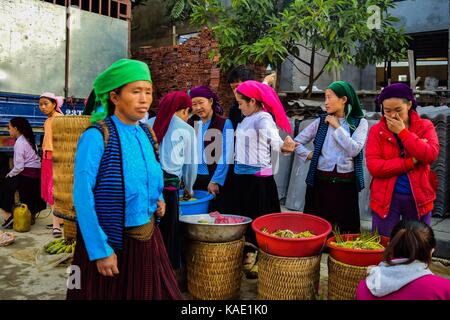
x=119, y=9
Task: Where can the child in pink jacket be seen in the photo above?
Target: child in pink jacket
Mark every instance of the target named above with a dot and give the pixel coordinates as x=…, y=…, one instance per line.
x=405, y=273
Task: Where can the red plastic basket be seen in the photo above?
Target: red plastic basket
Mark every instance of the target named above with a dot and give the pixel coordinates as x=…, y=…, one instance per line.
x=296, y=222
x=356, y=257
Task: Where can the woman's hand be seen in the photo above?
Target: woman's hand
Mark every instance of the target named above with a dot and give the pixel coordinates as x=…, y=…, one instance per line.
x=108, y=266
x=288, y=145
x=213, y=188
x=186, y=195
x=310, y=155
x=161, y=210
x=333, y=121
x=270, y=79
x=395, y=124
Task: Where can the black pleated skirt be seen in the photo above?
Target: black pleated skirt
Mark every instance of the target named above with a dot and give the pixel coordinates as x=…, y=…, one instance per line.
x=336, y=202
x=171, y=229
x=254, y=197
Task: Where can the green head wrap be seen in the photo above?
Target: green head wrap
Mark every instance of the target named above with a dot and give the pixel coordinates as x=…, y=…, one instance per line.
x=353, y=107
x=120, y=73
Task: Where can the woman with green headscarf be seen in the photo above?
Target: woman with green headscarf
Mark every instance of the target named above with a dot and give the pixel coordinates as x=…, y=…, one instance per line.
x=118, y=184
x=335, y=175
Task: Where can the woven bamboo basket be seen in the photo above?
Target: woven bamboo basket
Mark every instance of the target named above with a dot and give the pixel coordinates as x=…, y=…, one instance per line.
x=214, y=270
x=66, y=132
x=343, y=279
x=286, y=278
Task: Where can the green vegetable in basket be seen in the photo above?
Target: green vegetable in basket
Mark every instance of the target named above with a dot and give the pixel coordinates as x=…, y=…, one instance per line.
x=365, y=241
x=203, y=221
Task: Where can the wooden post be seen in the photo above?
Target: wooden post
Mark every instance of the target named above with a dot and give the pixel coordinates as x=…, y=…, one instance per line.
x=412, y=69
x=174, y=35
x=389, y=73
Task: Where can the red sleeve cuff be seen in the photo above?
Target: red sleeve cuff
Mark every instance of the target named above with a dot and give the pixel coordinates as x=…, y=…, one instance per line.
x=403, y=134
x=409, y=164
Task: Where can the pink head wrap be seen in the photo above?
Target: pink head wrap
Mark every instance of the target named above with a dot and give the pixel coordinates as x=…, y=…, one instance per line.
x=59, y=100
x=269, y=98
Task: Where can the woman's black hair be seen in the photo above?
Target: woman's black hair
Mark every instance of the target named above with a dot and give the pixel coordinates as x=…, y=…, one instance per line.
x=111, y=106
x=412, y=240
x=24, y=127
x=241, y=74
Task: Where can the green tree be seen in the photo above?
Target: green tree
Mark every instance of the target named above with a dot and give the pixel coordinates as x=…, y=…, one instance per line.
x=358, y=32
x=179, y=10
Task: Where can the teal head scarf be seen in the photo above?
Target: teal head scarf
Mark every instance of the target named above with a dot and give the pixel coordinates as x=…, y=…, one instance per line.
x=353, y=108
x=120, y=73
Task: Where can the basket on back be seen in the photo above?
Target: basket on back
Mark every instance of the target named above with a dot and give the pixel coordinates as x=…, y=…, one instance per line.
x=66, y=132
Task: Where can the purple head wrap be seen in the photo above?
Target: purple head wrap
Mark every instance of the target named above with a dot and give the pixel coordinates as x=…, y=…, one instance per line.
x=397, y=90
x=206, y=92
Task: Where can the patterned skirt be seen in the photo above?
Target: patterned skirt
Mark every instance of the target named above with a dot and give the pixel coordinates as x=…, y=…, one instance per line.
x=145, y=273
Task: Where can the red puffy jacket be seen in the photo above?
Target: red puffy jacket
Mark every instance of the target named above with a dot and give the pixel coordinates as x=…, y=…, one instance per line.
x=385, y=164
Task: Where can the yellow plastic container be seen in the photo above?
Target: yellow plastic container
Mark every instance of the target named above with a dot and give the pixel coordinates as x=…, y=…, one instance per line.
x=22, y=218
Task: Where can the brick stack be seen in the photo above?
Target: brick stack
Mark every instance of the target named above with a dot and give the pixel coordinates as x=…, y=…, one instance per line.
x=188, y=65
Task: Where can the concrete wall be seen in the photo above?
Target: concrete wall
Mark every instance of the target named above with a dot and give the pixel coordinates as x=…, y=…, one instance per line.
x=361, y=79
x=415, y=15
x=32, y=53
x=33, y=47
x=422, y=15
x=94, y=45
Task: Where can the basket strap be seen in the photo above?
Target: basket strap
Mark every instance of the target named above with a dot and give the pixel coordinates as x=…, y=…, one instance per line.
x=105, y=132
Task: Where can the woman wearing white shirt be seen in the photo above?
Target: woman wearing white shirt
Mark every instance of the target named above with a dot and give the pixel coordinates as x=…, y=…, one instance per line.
x=336, y=171
x=25, y=175
x=255, y=189
x=177, y=157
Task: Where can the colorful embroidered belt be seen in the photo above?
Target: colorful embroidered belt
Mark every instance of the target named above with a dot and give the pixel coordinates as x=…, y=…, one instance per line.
x=142, y=233
x=171, y=181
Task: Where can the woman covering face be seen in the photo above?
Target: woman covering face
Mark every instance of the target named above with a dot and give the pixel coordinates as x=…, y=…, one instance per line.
x=400, y=149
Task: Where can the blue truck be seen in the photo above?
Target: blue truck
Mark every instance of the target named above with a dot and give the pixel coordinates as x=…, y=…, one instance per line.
x=27, y=106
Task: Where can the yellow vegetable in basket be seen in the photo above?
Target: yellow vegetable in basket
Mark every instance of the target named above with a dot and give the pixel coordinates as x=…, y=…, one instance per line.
x=289, y=234
x=22, y=218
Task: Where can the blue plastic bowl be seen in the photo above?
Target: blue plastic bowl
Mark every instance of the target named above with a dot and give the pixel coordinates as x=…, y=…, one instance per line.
x=199, y=206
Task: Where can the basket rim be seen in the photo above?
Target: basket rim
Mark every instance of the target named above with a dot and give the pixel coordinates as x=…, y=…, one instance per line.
x=64, y=216
x=353, y=235
x=346, y=264
x=278, y=214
